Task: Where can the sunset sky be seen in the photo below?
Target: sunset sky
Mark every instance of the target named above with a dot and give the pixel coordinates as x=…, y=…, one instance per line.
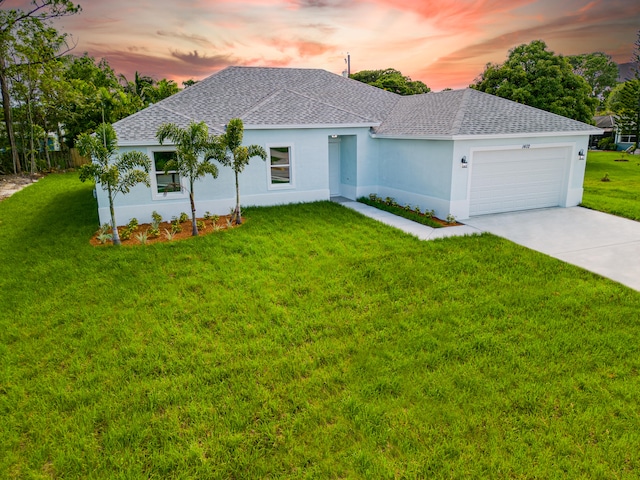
x=444, y=43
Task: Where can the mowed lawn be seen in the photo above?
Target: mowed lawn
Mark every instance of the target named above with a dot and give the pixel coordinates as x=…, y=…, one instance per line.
x=621, y=194
x=309, y=343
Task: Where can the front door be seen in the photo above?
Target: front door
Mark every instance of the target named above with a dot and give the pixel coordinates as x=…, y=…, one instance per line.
x=334, y=167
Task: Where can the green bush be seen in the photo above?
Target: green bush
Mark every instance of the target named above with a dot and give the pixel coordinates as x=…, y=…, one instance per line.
x=607, y=143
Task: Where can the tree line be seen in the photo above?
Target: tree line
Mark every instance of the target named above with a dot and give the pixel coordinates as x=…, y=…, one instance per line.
x=50, y=95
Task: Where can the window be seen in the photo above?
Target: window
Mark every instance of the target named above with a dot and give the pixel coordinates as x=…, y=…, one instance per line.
x=280, y=165
x=627, y=138
x=165, y=182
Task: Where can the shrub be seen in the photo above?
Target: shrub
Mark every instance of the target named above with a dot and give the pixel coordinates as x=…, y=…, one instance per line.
x=607, y=143
x=183, y=217
x=142, y=237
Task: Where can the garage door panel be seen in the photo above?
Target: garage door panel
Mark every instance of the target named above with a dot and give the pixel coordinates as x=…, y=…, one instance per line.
x=508, y=180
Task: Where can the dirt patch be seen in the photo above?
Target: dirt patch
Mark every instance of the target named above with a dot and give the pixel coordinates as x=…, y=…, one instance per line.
x=10, y=184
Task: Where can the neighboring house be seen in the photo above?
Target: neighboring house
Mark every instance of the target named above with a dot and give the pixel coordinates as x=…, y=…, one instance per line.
x=609, y=129
x=624, y=140
x=607, y=123
x=460, y=152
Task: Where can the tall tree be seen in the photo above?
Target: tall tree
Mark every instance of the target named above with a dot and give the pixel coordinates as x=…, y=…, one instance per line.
x=17, y=28
x=96, y=96
x=391, y=80
x=194, y=149
x=624, y=102
x=534, y=76
x=161, y=90
x=231, y=153
x=138, y=86
x=599, y=70
x=115, y=173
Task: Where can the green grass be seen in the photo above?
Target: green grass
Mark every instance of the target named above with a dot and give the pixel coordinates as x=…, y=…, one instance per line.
x=309, y=343
x=621, y=195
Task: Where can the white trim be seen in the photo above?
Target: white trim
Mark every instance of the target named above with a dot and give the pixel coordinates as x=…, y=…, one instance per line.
x=595, y=131
x=292, y=182
x=141, y=143
x=294, y=126
x=155, y=195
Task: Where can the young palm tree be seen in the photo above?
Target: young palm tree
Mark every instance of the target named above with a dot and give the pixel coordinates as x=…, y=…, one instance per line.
x=115, y=173
x=193, y=154
x=231, y=153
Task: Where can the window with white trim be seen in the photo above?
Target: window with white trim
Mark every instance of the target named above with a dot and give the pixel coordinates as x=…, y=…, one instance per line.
x=280, y=166
x=627, y=138
x=168, y=182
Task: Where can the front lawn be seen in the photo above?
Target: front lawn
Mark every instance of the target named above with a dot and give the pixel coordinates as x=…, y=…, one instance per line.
x=621, y=194
x=309, y=343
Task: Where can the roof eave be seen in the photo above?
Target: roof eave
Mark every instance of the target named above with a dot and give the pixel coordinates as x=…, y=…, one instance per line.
x=308, y=126
x=493, y=136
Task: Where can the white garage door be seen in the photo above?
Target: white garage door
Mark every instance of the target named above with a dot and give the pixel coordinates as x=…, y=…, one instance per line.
x=509, y=180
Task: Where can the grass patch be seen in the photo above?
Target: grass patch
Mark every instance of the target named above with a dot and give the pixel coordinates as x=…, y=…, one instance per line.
x=620, y=194
x=400, y=211
x=310, y=343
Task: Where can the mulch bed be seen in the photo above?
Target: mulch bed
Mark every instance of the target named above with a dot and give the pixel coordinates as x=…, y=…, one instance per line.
x=164, y=227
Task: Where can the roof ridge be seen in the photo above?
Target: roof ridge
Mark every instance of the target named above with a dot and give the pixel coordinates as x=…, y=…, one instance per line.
x=172, y=111
x=260, y=103
x=456, y=125
x=328, y=104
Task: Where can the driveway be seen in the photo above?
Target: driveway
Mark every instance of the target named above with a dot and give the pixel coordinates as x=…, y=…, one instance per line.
x=596, y=241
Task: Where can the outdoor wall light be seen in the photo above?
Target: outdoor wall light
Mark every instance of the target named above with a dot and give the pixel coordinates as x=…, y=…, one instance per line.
x=581, y=154
x=463, y=160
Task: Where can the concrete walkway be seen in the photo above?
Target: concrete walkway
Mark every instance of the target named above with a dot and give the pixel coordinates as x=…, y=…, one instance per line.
x=598, y=242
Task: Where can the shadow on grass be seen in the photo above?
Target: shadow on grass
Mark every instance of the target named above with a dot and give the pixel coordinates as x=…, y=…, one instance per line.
x=56, y=211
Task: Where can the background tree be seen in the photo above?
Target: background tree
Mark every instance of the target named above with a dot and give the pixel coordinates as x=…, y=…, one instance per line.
x=189, y=83
x=194, y=149
x=534, y=76
x=231, y=153
x=18, y=29
x=624, y=102
x=96, y=96
x=138, y=87
x=161, y=90
x=391, y=80
x=115, y=173
x=599, y=70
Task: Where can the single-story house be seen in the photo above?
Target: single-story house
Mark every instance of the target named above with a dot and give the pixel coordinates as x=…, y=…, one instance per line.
x=609, y=127
x=459, y=152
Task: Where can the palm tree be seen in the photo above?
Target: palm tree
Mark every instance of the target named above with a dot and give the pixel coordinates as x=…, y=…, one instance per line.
x=115, y=173
x=139, y=86
x=194, y=149
x=231, y=153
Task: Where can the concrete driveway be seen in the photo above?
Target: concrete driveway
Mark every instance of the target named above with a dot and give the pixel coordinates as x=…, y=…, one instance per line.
x=595, y=241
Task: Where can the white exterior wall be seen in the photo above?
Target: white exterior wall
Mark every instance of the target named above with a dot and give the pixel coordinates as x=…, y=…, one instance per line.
x=427, y=173
x=309, y=171
x=416, y=172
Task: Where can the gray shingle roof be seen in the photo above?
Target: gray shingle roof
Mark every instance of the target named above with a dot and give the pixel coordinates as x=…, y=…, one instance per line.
x=310, y=97
x=470, y=112
x=264, y=96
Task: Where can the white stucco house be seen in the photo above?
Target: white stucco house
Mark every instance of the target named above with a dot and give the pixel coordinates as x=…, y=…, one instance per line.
x=459, y=152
